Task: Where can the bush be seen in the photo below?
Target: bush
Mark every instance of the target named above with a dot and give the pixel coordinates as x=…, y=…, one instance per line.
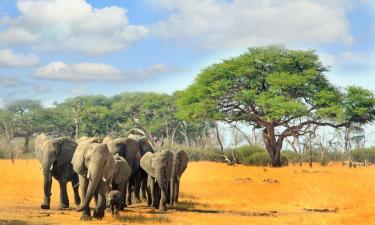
x=291, y=155
x=370, y=152
x=243, y=153
x=197, y=154
x=358, y=155
x=258, y=159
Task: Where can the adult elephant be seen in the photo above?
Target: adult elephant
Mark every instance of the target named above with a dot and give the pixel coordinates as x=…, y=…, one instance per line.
x=159, y=169
x=95, y=166
x=140, y=176
x=130, y=150
x=121, y=176
x=55, y=156
x=180, y=162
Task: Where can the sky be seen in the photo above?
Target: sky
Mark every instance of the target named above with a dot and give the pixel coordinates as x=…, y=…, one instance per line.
x=54, y=49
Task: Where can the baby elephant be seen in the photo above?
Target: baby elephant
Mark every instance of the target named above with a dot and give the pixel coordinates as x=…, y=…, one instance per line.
x=114, y=201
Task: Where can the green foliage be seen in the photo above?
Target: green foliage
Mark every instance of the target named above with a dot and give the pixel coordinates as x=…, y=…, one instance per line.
x=198, y=154
x=258, y=159
x=359, y=155
x=245, y=151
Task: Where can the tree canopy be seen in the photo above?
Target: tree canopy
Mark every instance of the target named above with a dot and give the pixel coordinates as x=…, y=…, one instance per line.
x=282, y=91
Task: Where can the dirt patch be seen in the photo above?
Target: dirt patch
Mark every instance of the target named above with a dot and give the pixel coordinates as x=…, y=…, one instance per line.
x=17, y=222
x=244, y=180
x=325, y=210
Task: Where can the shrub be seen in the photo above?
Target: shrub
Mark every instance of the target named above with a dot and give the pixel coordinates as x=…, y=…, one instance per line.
x=258, y=159
x=359, y=155
x=291, y=155
x=370, y=152
x=244, y=152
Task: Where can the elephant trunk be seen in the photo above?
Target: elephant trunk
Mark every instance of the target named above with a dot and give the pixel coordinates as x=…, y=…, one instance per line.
x=47, y=174
x=94, y=174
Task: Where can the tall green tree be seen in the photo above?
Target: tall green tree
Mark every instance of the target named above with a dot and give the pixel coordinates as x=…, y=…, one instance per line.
x=284, y=92
x=26, y=119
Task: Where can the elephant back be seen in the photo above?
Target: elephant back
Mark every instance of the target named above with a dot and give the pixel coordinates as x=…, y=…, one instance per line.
x=127, y=148
x=106, y=140
x=143, y=141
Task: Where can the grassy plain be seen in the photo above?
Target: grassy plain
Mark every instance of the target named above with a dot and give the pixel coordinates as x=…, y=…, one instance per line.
x=213, y=193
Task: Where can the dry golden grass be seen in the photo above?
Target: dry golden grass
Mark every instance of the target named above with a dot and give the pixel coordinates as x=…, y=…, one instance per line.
x=213, y=193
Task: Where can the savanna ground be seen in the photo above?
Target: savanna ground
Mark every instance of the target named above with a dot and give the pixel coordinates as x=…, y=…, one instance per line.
x=213, y=193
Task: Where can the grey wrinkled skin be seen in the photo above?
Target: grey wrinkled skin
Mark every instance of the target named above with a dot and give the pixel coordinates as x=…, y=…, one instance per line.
x=139, y=182
x=180, y=162
x=95, y=166
x=129, y=149
x=114, y=200
x=159, y=169
x=55, y=156
x=121, y=176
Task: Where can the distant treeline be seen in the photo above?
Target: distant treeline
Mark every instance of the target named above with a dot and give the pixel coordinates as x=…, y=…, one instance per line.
x=156, y=114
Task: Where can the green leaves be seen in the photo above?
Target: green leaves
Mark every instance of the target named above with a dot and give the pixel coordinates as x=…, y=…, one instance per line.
x=273, y=84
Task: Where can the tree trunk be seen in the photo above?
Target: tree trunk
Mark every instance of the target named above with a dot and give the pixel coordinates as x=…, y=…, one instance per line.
x=218, y=137
x=77, y=130
x=26, y=143
x=273, y=146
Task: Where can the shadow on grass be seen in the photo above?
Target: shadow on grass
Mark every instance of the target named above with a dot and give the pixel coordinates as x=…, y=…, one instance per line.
x=16, y=222
x=143, y=219
x=196, y=207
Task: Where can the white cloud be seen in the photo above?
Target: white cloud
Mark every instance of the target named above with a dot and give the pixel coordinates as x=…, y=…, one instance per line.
x=150, y=72
x=16, y=35
x=77, y=72
x=10, y=59
x=71, y=25
x=348, y=59
x=242, y=23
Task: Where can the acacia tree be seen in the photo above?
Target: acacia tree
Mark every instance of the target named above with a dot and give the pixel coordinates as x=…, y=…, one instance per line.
x=284, y=92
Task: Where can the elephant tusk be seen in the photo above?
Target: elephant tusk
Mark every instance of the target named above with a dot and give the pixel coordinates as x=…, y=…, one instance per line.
x=104, y=179
x=51, y=167
x=88, y=175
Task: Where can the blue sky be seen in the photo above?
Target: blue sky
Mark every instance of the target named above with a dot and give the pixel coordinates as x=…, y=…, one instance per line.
x=54, y=49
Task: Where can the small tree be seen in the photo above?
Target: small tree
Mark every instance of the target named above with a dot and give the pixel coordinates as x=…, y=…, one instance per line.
x=284, y=92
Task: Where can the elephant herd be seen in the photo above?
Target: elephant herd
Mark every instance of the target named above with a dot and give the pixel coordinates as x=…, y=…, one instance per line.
x=115, y=172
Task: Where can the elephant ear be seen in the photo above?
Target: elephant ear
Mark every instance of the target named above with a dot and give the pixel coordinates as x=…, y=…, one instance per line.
x=146, y=163
x=39, y=140
x=64, y=150
x=184, y=159
x=145, y=145
x=78, y=160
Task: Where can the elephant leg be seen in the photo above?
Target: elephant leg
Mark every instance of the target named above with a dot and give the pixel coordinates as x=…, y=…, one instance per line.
x=75, y=185
x=163, y=196
x=122, y=188
x=130, y=190
x=177, y=192
x=100, y=205
x=149, y=191
x=64, y=200
x=83, y=184
x=144, y=187
x=47, y=189
x=137, y=186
